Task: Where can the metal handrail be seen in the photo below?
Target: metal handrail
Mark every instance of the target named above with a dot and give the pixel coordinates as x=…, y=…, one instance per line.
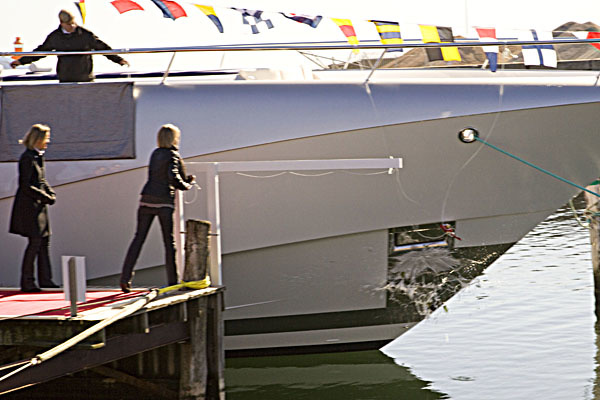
x=306, y=46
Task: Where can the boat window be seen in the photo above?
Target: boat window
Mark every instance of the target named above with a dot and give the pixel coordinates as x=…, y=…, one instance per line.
x=416, y=237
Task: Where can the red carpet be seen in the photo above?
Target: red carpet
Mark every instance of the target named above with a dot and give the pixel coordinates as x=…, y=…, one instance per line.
x=16, y=303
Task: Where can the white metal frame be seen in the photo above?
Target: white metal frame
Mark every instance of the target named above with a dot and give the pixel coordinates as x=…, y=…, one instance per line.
x=212, y=170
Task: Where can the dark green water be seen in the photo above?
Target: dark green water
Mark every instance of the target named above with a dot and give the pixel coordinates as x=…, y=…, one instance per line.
x=353, y=375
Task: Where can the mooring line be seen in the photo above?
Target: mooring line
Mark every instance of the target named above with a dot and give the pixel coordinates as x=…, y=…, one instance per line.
x=552, y=174
x=126, y=311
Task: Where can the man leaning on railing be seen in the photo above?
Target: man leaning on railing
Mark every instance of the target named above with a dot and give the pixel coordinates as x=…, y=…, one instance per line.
x=71, y=37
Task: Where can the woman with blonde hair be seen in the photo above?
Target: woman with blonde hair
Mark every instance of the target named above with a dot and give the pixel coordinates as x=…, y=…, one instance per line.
x=166, y=173
x=29, y=216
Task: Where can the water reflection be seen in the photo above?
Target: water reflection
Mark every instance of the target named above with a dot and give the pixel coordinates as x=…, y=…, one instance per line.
x=347, y=376
x=525, y=329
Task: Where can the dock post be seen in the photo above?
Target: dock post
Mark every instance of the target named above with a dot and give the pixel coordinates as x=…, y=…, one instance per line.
x=196, y=250
x=199, y=366
x=215, y=332
x=593, y=208
x=73, y=286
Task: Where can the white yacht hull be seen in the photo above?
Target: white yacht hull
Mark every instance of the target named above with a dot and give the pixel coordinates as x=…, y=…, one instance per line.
x=306, y=258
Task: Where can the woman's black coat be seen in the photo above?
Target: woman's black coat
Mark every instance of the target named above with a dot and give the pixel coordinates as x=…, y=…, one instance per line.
x=166, y=173
x=30, y=211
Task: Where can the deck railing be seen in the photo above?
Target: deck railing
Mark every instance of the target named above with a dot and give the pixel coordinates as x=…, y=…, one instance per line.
x=312, y=46
x=303, y=47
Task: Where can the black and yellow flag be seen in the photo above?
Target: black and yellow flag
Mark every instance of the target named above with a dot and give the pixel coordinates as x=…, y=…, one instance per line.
x=81, y=7
x=439, y=34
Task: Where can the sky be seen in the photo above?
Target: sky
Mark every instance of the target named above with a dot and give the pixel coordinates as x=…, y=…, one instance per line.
x=32, y=20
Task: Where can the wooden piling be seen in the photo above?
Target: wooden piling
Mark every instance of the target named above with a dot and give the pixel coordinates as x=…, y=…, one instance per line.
x=202, y=357
x=196, y=250
x=593, y=208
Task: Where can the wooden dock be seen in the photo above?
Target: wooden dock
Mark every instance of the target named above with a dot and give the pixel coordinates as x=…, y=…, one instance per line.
x=129, y=346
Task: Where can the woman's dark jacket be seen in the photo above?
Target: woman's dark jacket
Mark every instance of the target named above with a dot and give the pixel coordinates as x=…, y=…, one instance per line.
x=72, y=68
x=166, y=173
x=30, y=211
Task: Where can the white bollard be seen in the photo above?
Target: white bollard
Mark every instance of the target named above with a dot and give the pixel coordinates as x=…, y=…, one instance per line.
x=79, y=281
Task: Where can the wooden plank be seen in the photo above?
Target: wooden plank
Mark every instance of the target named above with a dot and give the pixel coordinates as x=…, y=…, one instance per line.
x=79, y=359
x=18, y=333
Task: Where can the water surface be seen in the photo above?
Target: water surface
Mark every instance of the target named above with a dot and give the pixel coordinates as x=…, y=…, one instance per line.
x=525, y=329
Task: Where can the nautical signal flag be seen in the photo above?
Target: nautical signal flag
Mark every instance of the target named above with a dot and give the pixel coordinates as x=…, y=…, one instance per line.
x=491, y=52
x=348, y=29
x=212, y=15
x=310, y=20
x=439, y=34
x=170, y=9
x=126, y=5
x=588, y=35
x=256, y=16
x=81, y=7
x=542, y=54
x=389, y=33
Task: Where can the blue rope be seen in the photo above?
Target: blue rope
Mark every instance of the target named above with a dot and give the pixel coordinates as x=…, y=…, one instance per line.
x=536, y=167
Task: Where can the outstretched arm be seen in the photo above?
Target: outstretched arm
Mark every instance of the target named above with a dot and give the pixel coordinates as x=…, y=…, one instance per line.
x=46, y=46
x=100, y=45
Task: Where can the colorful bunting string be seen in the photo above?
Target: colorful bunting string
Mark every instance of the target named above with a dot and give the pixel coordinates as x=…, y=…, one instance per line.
x=310, y=20
x=170, y=9
x=389, y=33
x=126, y=5
x=212, y=15
x=347, y=29
x=588, y=35
x=81, y=7
x=543, y=54
x=491, y=52
x=439, y=34
x=253, y=18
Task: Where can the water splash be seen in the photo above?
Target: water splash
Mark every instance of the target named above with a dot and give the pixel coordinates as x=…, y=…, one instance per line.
x=425, y=279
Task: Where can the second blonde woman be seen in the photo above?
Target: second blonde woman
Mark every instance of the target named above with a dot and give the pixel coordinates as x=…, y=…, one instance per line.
x=166, y=174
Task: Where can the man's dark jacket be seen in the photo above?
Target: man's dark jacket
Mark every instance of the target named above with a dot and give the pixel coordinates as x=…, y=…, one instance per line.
x=30, y=211
x=72, y=68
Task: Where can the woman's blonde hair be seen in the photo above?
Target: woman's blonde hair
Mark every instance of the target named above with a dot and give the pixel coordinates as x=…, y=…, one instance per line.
x=36, y=133
x=168, y=135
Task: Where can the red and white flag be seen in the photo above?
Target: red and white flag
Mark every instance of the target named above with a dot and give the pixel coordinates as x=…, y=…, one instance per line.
x=588, y=35
x=491, y=52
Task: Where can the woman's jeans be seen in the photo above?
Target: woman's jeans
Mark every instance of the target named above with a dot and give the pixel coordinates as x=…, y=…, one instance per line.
x=145, y=217
x=38, y=247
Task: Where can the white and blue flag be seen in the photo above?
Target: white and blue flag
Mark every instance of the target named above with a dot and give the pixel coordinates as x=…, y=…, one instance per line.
x=542, y=54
